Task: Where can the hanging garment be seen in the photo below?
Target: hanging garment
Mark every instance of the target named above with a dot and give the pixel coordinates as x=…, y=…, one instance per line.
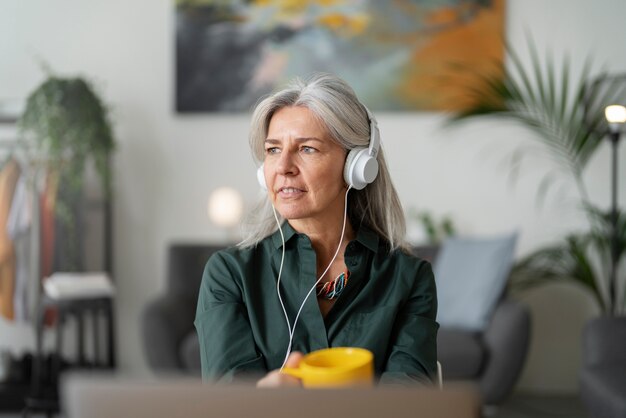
x=47, y=202
x=8, y=179
x=19, y=230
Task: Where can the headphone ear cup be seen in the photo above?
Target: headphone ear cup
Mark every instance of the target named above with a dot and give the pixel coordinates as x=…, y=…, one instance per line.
x=360, y=169
x=260, y=176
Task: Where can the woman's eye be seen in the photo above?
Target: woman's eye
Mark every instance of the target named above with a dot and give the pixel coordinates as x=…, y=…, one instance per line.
x=308, y=150
x=271, y=150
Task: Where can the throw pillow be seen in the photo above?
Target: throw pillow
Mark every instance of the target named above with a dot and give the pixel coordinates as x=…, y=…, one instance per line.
x=471, y=274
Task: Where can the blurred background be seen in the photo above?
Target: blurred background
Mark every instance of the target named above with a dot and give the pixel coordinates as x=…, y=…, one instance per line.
x=167, y=164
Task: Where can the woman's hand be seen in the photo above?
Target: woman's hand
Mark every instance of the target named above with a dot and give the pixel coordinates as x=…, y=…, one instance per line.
x=276, y=379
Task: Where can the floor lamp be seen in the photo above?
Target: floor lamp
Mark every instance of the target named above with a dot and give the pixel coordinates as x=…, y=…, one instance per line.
x=616, y=116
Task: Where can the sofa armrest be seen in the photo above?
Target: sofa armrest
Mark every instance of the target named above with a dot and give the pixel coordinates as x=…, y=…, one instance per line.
x=506, y=340
x=165, y=322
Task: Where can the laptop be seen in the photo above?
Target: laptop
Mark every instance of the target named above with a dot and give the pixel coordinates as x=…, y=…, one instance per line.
x=92, y=396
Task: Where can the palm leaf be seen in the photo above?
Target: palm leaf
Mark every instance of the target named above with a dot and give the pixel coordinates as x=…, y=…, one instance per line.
x=568, y=262
x=538, y=97
x=583, y=259
x=566, y=113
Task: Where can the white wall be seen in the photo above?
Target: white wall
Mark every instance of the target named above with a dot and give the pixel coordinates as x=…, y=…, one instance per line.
x=167, y=164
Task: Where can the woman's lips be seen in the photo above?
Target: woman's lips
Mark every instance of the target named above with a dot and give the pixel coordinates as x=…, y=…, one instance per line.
x=289, y=192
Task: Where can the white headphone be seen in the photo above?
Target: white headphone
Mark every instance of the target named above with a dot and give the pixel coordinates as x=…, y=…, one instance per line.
x=361, y=167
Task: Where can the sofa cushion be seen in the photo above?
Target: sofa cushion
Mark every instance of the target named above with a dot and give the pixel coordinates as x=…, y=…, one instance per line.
x=190, y=353
x=471, y=275
x=461, y=354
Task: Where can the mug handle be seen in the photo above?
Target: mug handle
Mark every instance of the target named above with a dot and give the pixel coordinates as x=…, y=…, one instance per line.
x=292, y=371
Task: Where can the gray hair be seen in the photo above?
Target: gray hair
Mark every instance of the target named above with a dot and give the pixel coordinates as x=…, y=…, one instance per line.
x=336, y=106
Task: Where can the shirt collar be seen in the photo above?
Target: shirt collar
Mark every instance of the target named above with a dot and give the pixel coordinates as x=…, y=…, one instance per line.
x=365, y=236
x=368, y=238
x=288, y=232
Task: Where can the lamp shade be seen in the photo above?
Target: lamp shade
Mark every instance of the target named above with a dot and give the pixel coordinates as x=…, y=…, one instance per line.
x=615, y=114
x=225, y=207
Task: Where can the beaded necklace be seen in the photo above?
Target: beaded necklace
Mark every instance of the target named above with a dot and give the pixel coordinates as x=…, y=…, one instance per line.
x=331, y=290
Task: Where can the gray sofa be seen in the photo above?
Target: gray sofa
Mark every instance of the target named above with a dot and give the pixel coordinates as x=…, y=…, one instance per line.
x=493, y=359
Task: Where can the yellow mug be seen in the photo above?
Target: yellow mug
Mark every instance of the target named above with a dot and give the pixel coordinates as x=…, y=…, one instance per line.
x=335, y=367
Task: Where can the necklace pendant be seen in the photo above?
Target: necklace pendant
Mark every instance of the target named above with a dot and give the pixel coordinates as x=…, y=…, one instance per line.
x=331, y=290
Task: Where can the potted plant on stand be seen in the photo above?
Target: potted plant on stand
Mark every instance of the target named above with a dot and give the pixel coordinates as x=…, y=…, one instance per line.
x=64, y=127
x=63, y=131
x=568, y=119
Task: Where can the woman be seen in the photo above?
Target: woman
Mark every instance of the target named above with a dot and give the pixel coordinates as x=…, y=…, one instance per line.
x=338, y=271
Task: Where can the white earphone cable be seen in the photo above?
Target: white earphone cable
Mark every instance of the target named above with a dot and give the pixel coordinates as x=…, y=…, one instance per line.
x=280, y=270
x=289, y=327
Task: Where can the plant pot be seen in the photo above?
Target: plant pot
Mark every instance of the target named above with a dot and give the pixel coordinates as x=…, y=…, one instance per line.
x=603, y=372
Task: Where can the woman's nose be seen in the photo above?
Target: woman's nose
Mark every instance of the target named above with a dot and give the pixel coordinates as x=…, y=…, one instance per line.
x=286, y=164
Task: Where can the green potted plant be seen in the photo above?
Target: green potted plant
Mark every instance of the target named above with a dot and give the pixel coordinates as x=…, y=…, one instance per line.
x=567, y=116
x=435, y=230
x=570, y=127
x=65, y=126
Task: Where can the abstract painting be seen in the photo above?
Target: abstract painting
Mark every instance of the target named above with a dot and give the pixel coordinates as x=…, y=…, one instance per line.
x=398, y=55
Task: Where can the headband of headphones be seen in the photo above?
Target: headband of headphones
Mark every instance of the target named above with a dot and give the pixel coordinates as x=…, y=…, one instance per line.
x=374, y=144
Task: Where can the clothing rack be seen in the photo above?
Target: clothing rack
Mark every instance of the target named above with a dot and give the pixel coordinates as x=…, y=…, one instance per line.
x=35, y=172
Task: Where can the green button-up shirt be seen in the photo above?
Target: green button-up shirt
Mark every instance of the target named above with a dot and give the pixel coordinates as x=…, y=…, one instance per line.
x=388, y=306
